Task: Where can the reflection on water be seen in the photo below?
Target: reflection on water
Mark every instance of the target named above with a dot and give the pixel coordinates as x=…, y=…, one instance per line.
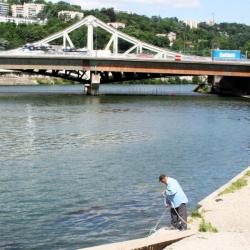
x=79, y=171
x=124, y=89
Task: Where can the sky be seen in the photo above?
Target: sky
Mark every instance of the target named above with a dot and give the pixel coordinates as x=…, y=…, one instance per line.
x=200, y=10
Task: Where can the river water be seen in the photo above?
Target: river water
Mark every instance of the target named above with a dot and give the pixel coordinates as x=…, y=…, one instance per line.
x=79, y=171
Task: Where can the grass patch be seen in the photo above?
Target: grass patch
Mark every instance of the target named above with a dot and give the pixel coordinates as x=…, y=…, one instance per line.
x=54, y=81
x=196, y=214
x=247, y=173
x=203, y=211
x=44, y=81
x=242, y=182
x=207, y=227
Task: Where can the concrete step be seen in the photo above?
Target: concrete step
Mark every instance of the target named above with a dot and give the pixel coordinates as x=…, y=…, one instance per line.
x=157, y=241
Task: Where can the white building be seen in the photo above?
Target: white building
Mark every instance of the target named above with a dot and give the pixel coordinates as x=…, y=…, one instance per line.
x=27, y=10
x=124, y=11
x=117, y=25
x=67, y=15
x=210, y=22
x=191, y=23
x=161, y=35
x=171, y=38
x=31, y=10
x=4, y=8
x=18, y=20
x=17, y=10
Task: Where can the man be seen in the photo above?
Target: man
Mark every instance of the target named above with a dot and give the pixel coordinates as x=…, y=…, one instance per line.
x=177, y=200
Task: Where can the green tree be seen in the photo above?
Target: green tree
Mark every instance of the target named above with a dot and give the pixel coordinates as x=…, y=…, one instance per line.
x=198, y=41
x=3, y=44
x=110, y=13
x=196, y=80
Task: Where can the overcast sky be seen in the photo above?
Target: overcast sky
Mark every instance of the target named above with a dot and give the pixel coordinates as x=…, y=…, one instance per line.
x=200, y=10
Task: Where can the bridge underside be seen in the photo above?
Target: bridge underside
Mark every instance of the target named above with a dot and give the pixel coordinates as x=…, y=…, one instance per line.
x=84, y=77
x=225, y=85
x=92, y=80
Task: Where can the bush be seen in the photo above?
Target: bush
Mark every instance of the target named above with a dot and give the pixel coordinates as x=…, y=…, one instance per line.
x=196, y=214
x=235, y=186
x=207, y=227
x=247, y=173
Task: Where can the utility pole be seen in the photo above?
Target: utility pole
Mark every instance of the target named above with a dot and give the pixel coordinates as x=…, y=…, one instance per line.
x=213, y=23
x=184, y=45
x=213, y=15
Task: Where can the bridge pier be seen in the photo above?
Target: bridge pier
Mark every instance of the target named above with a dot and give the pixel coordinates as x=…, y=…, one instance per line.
x=93, y=87
x=229, y=85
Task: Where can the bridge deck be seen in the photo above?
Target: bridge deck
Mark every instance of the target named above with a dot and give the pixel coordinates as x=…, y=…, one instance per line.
x=122, y=64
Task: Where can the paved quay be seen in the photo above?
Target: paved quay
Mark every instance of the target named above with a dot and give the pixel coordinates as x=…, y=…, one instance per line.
x=246, y=97
x=228, y=213
x=154, y=242
x=225, y=214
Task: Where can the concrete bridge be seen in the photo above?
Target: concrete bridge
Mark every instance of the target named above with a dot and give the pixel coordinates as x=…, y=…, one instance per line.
x=139, y=61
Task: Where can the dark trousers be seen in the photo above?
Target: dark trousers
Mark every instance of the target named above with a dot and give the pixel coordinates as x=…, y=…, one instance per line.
x=176, y=221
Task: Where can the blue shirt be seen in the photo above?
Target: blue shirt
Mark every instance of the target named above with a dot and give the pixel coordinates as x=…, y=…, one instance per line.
x=175, y=195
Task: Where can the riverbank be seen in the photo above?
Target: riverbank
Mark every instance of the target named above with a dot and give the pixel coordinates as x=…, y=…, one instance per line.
x=246, y=97
x=18, y=78
x=222, y=220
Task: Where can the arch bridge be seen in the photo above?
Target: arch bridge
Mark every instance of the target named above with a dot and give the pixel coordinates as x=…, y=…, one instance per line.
x=57, y=56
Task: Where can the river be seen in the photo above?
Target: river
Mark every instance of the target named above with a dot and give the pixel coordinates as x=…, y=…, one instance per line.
x=78, y=171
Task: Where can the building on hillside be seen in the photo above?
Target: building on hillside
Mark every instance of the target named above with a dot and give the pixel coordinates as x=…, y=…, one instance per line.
x=27, y=10
x=224, y=34
x=129, y=12
x=161, y=35
x=17, y=10
x=18, y=20
x=4, y=8
x=171, y=37
x=191, y=23
x=210, y=22
x=68, y=15
x=117, y=25
x=31, y=10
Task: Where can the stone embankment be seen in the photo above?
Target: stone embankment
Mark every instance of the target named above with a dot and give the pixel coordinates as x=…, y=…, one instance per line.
x=222, y=219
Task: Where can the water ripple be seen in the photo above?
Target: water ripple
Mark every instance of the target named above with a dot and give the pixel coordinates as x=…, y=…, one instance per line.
x=79, y=171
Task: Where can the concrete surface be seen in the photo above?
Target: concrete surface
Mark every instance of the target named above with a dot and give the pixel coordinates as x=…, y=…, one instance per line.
x=229, y=213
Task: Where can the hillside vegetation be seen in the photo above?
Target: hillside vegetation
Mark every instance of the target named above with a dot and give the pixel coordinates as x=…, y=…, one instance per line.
x=190, y=41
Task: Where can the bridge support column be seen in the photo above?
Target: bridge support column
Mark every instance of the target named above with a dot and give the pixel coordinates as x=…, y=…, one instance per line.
x=93, y=87
x=214, y=80
x=229, y=85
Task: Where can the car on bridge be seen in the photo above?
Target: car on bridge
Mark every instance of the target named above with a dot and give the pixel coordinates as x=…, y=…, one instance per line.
x=178, y=58
x=73, y=49
x=42, y=47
